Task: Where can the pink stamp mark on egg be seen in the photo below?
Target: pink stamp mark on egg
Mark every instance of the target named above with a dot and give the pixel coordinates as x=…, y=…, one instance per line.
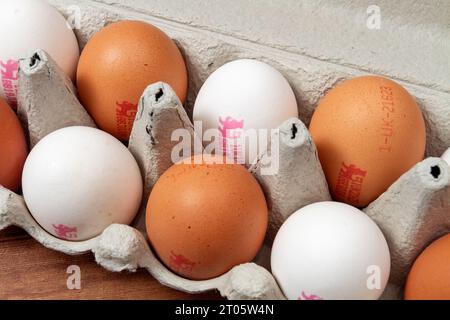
x=180, y=263
x=65, y=232
x=9, y=71
x=304, y=296
x=231, y=132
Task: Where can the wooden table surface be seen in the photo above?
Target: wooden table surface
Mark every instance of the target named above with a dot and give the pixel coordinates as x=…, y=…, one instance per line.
x=30, y=271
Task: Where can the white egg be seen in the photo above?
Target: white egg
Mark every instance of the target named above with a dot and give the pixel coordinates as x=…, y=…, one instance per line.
x=78, y=180
x=241, y=95
x=330, y=250
x=27, y=25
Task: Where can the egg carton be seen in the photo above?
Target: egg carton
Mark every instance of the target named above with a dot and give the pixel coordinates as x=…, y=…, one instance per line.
x=411, y=213
x=47, y=101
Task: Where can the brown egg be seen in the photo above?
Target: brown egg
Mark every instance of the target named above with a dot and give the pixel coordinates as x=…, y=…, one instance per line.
x=203, y=219
x=429, y=278
x=13, y=148
x=117, y=64
x=368, y=132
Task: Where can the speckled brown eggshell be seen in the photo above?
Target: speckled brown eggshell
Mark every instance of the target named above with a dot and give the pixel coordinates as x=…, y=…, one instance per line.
x=203, y=219
x=117, y=64
x=368, y=132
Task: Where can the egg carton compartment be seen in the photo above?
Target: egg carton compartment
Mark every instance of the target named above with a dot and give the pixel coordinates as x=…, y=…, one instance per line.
x=411, y=213
x=47, y=98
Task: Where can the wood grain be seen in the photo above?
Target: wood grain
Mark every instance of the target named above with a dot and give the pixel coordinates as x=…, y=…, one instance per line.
x=30, y=271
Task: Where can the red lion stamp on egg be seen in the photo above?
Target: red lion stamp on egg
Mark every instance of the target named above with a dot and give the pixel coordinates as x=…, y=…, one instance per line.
x=231, y=130
x=349, y=183
x=65, y=232
x=304, y=296
x=180, y=263
x=9, y=75
x=125, y=114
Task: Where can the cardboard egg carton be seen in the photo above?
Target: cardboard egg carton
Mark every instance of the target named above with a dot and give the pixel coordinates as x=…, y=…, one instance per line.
x=47, y=102
x=411, y=213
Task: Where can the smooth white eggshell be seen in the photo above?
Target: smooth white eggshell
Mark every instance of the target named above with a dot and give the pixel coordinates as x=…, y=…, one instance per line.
x=328, y=250
x=81, y=178
x=27, y=25
x=247, y=90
